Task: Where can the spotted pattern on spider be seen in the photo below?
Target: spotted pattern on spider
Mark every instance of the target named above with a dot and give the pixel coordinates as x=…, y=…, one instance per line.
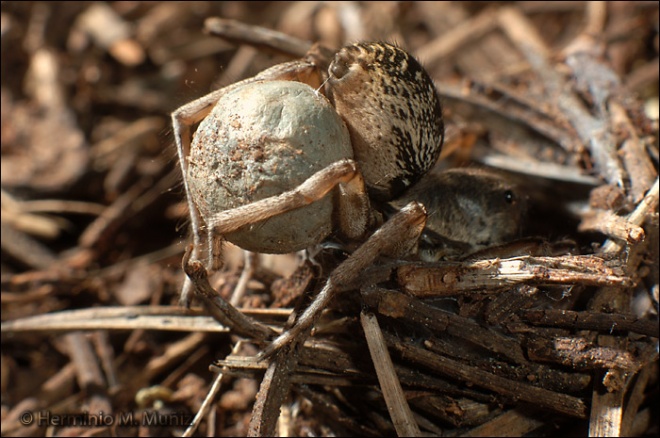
x=393, y=114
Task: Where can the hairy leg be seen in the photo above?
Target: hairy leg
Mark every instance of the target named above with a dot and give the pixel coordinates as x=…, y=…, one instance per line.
x=397, y=237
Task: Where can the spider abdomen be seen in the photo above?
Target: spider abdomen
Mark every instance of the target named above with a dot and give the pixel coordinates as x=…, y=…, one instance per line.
x=393, y=114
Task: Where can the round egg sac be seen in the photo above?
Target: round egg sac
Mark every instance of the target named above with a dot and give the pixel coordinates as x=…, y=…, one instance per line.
x=260, y=140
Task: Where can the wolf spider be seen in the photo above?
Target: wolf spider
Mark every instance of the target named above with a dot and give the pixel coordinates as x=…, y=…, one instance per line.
x=372, y=131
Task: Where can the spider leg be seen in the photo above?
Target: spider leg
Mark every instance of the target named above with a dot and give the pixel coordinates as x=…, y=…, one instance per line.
x=353, y=212
x=314, y=188
x=342, y=173
x=182, y=121
x=397, y=237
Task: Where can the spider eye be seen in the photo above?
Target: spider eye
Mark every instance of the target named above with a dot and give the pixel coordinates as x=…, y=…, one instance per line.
x=509, y=197
x=338, y=68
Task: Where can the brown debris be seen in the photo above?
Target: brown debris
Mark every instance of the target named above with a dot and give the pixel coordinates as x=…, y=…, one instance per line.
x=553, y=334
